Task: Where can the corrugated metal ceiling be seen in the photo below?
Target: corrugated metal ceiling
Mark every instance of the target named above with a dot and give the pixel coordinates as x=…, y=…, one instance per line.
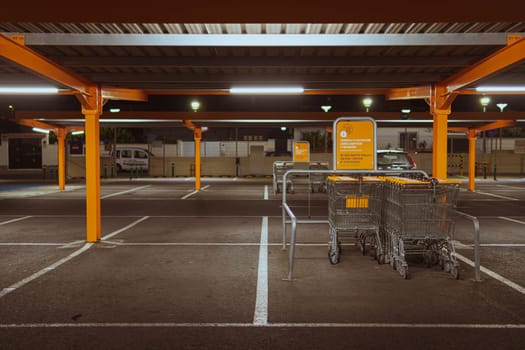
x=338, y=67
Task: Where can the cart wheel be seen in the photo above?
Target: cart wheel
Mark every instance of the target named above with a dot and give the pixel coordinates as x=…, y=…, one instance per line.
x=404, y=273
x=441, y=262
x=455, y=272
x=361, y=245
x=333, y=256
x=428, y=259
x=393, y=263
x=446, y=266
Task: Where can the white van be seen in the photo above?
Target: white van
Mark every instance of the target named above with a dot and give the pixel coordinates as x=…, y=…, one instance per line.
x=132, y=158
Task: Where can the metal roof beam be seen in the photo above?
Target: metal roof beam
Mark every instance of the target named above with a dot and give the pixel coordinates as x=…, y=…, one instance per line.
x=284, y=77
x=255, y=62
x=494, y=63
x=31, y=60
x=265, y=40
x=56, y=116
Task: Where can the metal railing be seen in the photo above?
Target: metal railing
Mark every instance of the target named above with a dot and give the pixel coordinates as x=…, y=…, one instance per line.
x=477, y=263
x=286, y=210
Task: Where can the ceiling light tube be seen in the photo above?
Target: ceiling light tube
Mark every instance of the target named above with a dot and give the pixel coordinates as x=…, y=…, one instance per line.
x=28, y=90
x=44, y=131
x=77, y=132
x=277, y=90
x=500, y=88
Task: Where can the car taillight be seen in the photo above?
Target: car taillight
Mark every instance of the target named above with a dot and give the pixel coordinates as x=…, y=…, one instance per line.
x=412, y=162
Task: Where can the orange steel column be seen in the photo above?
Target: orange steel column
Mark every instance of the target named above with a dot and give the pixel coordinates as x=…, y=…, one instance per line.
x=471, y=135
x=61, y=137
x=197, y=136
x=440, y=102
x=439, y=152
x=92, y=175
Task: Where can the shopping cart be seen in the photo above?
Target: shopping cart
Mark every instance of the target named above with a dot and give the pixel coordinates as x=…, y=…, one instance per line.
x=354, y=212
x=418, y=220
x=317, y=180
x=279, y=169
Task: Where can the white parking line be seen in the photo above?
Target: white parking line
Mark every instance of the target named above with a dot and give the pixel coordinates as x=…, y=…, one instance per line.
x=216, y=244
x=265, y=192
x=31, y=244
x=45, y=270
x=123, y=192
x=512, y=220
x=196, y=191
x=504, y=245
x=14, y=220
x=53, y=266
x=113, y=234
x=512, y=187
x=497, y=196
x=269, y=325
x=493, y=274
x=260, y=316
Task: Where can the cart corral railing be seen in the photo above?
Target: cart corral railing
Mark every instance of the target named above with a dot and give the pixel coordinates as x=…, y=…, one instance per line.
x=289, y=217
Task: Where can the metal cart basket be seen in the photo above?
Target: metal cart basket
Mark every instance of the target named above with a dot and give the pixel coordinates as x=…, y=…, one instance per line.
x=354, y=211
x=317, y=180
x=279, y=168
x=418, y=219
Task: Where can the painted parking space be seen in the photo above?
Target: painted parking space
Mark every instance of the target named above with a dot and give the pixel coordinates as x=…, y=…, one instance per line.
x=196, y=230
x=142, y=284
x=181, y=267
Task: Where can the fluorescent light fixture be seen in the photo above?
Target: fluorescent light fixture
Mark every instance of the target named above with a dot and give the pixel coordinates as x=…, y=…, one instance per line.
x=277, y=90
x=28, y=90
x=500, y=88
x=77, y=132
x=114, y=110
x=405, y=110
x=44, y=131
x=502, y=106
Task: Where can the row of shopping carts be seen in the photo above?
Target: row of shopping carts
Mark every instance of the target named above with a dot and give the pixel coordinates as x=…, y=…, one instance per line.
x=396, y=217
x=316, y=181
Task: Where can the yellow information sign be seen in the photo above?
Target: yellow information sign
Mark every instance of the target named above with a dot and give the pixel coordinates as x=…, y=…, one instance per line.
x=355, y=144
x=301, y=151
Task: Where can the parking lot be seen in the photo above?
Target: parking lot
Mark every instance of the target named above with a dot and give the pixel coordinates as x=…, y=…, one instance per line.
x=177, y=268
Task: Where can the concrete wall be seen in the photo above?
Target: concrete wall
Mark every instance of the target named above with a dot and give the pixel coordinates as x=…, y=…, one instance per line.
x=506, y=162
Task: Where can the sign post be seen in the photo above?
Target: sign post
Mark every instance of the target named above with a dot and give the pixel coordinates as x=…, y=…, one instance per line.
x=301, y=151
x=355, y=143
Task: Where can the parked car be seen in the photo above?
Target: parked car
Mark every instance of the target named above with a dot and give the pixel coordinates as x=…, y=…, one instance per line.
x=390, y=159
x=129, y=158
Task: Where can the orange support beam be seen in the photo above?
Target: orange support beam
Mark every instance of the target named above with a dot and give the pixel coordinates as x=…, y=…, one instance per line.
x=92, y=176
x=61, y=137
x=409, y=93
x=440, y=104
x=37, y=124
x=197, y=136
x=499, y=60
x=92, y=109
x=112, y=93
x=471, y=136
x=41, y=65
